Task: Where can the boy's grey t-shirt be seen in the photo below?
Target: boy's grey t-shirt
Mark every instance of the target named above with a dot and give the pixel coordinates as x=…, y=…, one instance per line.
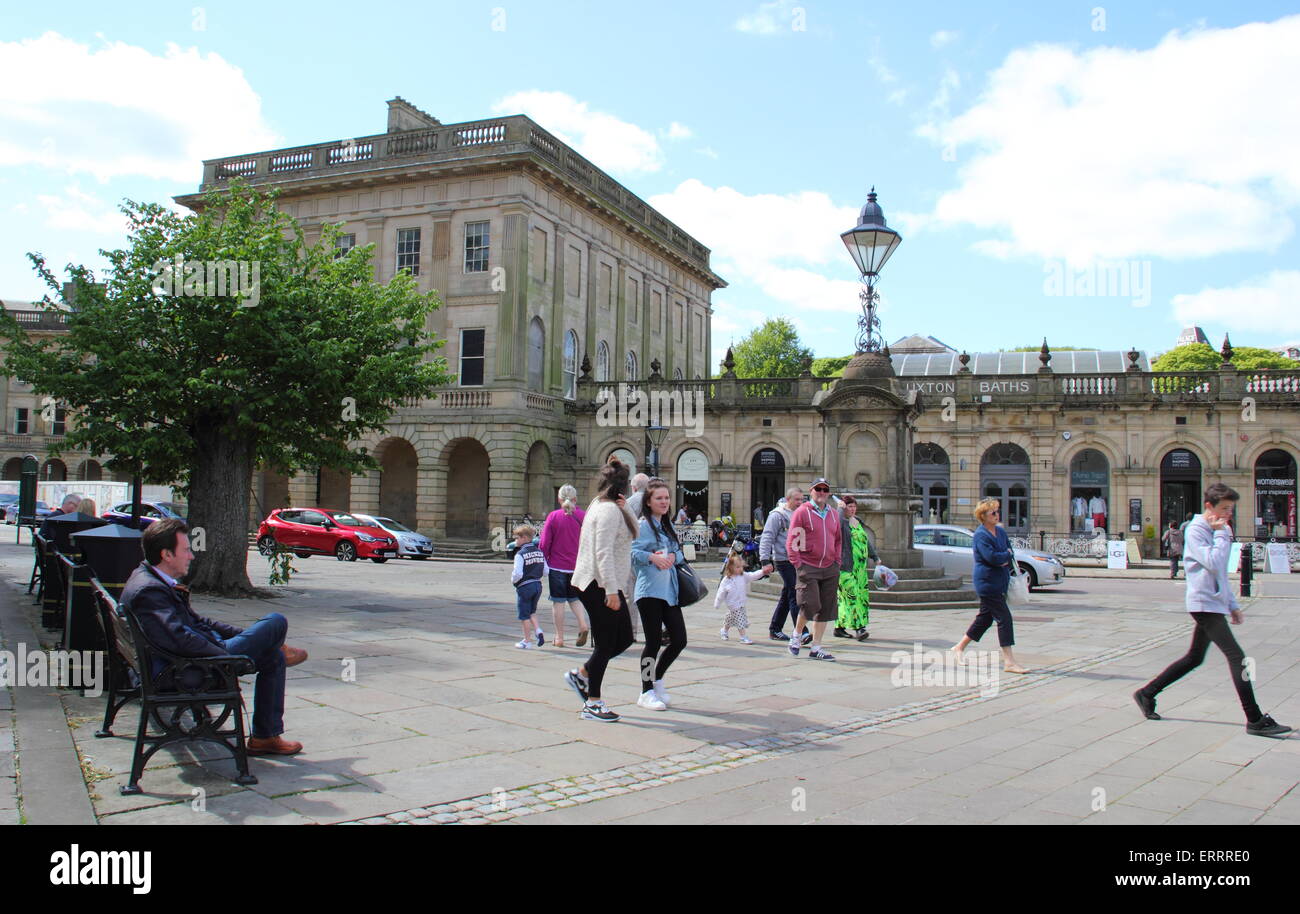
x=1205, y=558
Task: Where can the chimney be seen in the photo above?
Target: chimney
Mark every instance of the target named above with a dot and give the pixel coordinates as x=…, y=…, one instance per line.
x=402, y=115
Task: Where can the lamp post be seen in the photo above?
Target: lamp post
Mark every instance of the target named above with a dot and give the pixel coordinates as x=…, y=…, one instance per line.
x=656, y=434
x=870, y=244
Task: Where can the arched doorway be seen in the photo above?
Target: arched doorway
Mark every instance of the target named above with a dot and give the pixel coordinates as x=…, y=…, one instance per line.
x=539, y=491
x=536, y=354
x=767, y=482
x=1275, y=495
x=467, y=489
x=693, y=482
x=398, y=465
x=1180, y=486
x=931, y=474
x=1089, y=491
x=334, y=489
x=623, y=455
x=13, y=468
x=54, y=471
x=90, y=471
x=1004, y=475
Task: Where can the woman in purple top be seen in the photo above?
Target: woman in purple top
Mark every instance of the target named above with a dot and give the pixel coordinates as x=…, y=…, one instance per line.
x=559, y=544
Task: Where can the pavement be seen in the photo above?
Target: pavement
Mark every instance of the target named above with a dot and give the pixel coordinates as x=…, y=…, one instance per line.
x=415, y=707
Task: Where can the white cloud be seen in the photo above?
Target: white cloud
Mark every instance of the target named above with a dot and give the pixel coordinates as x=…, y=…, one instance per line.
x=121, y=110
x=77, y=211
x=943, y=38
x=937, y=110
x=611, y=143
x=707, y=151
x=678, y=131
x=784, y=244
x=1270, y=303
x=1114, y=153
x=768, y=19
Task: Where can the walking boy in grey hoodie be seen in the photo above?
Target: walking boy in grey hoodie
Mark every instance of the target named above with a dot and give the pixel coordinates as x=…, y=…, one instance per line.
x=1212, y=604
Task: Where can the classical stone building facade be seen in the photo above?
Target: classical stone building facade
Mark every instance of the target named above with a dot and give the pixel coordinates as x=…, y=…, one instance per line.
x=566, y=297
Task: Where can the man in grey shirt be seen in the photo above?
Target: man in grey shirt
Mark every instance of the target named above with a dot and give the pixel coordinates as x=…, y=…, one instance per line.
x=1212, y=605
x=771, y=551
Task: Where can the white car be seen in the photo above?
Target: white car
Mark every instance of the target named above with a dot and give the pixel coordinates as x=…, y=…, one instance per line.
x=952, y=548
x=410, y=544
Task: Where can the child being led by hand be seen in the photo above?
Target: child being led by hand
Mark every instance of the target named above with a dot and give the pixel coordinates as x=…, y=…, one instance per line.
x=530, y=566
x=734, y=593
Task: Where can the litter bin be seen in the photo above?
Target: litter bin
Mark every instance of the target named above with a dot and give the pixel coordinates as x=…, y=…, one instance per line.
x=112, y=552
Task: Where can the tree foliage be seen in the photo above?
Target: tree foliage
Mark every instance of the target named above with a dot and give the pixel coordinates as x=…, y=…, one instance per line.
x=1204, y=357
x=772, y=350
x=197, y=388
x=830, y=366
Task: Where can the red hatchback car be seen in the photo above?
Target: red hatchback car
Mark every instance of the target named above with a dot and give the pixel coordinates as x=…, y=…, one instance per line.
x=316, y=531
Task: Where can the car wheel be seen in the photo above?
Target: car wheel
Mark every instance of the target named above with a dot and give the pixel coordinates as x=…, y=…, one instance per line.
x=378, y=560
x=267, y=545
x=1027, y=569
x=303, y=555
x=345, y=552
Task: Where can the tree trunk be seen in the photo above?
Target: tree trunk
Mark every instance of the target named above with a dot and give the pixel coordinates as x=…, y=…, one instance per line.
x=218, y=505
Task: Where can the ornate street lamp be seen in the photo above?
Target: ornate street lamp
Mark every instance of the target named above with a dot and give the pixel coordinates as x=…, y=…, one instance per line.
x=656, y=434
x=870, y=244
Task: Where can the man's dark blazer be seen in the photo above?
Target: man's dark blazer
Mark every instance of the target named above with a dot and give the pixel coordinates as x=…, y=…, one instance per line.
x=167, y=620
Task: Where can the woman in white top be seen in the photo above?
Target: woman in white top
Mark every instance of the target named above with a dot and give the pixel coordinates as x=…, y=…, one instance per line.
x=603, y=567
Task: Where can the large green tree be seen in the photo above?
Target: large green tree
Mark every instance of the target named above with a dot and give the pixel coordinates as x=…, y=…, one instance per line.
x=1204, y=357
x=174, y=379
x=772, y=350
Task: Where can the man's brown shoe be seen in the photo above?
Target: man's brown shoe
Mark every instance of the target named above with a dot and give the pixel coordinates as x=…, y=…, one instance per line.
x=275, y=745
x=293, y=655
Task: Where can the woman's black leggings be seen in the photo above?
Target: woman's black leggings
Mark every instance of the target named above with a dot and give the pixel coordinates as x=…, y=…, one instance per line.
x=655, y=614
x=1211, y=627
x=611, y=631
x=993, y=608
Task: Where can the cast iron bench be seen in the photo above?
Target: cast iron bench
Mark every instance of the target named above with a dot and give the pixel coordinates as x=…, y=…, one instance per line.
x=182, y=684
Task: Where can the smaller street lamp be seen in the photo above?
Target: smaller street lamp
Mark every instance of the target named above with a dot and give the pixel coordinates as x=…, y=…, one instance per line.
x=656, y=434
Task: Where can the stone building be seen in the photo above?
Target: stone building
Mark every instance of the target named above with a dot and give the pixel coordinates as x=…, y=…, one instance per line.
x=566, y=297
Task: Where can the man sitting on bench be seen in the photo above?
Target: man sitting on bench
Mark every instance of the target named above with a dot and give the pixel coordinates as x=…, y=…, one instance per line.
x=162, y=606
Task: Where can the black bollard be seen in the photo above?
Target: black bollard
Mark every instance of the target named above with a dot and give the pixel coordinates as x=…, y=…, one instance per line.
x=1247, y=568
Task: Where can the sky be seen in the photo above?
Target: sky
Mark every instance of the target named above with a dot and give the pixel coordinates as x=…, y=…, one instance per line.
x=1099, y=176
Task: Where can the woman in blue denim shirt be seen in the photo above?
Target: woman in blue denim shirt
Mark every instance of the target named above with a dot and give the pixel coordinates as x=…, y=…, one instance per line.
x=655, y=555
x=991, y=575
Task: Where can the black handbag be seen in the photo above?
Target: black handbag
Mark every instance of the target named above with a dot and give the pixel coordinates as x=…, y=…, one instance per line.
x=690, y=589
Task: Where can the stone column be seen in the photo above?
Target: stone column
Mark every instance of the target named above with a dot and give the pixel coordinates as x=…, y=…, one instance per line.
x=620, y=317
x=439, y=275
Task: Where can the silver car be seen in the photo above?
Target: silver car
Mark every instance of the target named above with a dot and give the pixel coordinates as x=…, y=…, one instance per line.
x=952, y=548
x=410, y=544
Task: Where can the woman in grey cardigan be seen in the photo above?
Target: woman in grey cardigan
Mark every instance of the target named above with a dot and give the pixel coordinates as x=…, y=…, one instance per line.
x=604, y=564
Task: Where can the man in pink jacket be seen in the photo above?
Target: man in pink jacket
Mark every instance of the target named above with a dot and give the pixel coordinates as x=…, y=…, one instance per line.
x=813, y=545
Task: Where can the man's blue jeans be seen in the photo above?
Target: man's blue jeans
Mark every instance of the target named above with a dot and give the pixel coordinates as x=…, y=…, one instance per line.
x=787, y=605
x=262, y=641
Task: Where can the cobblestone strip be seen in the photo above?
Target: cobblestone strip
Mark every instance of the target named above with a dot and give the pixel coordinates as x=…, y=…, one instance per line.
x=502, y=805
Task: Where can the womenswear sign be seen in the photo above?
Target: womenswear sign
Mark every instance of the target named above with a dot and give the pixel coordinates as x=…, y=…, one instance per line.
x=1116, y=554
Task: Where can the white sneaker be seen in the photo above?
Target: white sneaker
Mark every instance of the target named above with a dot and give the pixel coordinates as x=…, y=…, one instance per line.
x=723, y=635
x=744, y=639
x=524, y=645
x=662, y=695
x=651, y=701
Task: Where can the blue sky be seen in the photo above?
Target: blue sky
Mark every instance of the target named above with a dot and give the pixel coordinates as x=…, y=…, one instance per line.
x=1021, y=150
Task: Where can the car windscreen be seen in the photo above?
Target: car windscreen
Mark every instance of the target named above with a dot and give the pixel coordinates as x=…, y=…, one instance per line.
x=173, y=508
x=348, y=520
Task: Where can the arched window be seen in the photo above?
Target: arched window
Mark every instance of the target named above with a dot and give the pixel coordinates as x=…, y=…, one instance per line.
x=930, y=473
x=677, y=374
x=629, y=367
x=1004, y=475
x=571, y=365
x=602, y=361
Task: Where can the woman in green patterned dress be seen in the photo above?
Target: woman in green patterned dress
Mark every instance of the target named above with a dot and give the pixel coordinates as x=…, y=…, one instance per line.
x=854, y=598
